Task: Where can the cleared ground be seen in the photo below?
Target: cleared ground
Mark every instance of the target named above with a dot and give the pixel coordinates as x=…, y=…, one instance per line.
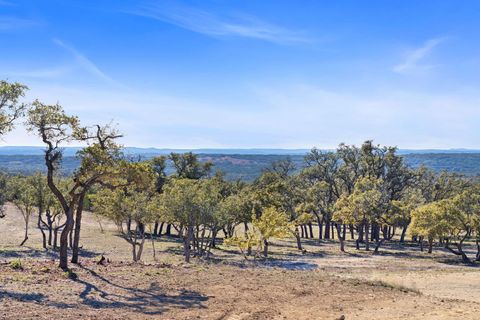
x=399, y=283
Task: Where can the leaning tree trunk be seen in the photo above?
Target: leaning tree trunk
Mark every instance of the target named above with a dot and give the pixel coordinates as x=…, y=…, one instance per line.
x=310, y=229
x=25, y=238
x=50, y=234
x=367, y=240
x=64, y=240
x=341, y=237
x=160, y=230
x=404, y=232
x=361, y=235
x=249, y=249
x=39, y=225
x=320, y=231
x=326, y=235
x=430, y=245
x=55, y=234
x=378, y=244
x=297, y=237
x=153, y=239
x=459, y=252
x=78, y=224
x=187, y=242
x=352, y=232
x=134, y=244
x=141, y=229
x=213, y=240
x=70, y=236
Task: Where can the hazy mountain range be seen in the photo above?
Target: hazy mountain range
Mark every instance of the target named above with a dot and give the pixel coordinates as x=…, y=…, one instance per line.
x=70, y=151
x=244, y=164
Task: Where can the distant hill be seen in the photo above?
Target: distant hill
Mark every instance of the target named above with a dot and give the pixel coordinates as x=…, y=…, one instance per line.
x=70, y=151
x=244, y=164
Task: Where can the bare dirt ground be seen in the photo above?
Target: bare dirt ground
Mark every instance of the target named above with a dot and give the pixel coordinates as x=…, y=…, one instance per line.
x=399, y=283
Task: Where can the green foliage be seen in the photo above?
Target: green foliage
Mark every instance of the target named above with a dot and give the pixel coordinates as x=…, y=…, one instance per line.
x=272, y=224
x=429, y=220
x=10, y=107
x=16, y=264
x=70, y=274
x=187, y=166
x=22, y=193
x=366, y=203
x=400, y=210
x=190, y=203
x=248, y=240
x=453, y=218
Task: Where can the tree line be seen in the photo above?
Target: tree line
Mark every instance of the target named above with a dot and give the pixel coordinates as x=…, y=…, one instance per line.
x=363, y=193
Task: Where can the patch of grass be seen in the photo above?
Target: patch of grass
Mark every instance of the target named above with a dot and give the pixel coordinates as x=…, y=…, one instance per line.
x=16, y=264
x=392, y=286
x=45, y=269
x=70, y=274
x=20, y=279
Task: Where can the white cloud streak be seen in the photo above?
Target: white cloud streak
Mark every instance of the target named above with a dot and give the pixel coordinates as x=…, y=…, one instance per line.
x=84, y=62
x=12, y=23
x=209, y=24
x=413, y=59
x=45, y=73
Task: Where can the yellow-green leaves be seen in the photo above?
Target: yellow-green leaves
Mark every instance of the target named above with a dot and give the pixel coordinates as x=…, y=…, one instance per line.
x=51, y=123
x=22, y=193
x=272, y=224
x=10, y=107
x=431, y=220
x=366, y=203
x=453, y=218
x=191, y=202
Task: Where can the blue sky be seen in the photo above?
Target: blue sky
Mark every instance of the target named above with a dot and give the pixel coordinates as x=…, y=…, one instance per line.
x=253, y=74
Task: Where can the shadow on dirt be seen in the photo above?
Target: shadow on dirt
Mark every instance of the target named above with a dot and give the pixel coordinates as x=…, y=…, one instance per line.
x=29, y=252
x=151, y=301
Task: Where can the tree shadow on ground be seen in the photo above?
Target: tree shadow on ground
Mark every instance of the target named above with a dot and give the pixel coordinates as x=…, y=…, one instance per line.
x=29, y=252
x=32, y=298
x=27, y=297
x=151, y=301
x=270, y=262
x=457, y=261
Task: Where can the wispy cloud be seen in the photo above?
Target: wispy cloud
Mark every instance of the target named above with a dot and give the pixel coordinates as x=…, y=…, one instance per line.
x=12, y=23
x=414, y=57
x=84, y=62
x=209, y=24
x=45, y=73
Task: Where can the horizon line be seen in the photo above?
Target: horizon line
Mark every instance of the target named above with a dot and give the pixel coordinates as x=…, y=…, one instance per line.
x=243, y=148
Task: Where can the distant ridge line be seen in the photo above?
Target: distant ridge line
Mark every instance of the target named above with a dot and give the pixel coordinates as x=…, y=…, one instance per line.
x=70, y=151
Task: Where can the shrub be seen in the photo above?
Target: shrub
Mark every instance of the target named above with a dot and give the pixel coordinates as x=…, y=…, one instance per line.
x=70, y=274
x=16, y=264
